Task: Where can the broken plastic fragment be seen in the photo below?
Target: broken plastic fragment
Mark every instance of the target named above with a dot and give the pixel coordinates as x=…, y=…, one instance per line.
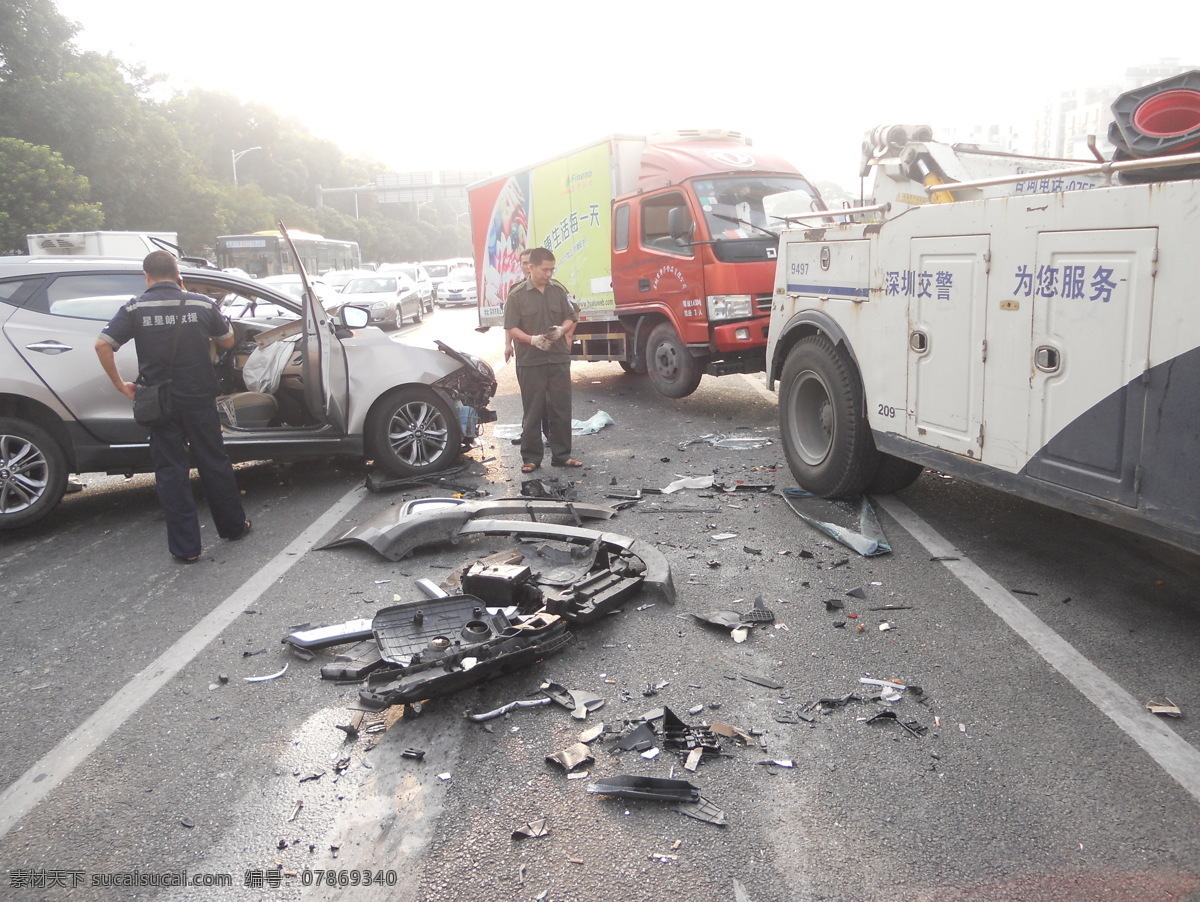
x=723, y=536
x=415, y=754
x=858, y=592
x=1170, y=709
x=592, y=734
x=760, y=613
x=628, y=786
x=735, y=442
x=638, y=739
x=761, y=680
x=572, y=756
x=703, y=810
x=505, y=709
x=532, y=829
x=270, y=676
x=688, y=482
x=865, y=536
x=585, y=702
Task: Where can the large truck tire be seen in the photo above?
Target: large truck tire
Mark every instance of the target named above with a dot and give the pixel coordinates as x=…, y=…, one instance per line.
x=33, y=473
x=893, y=474
x=412, y=431
x=823, y=422
x=673, y=371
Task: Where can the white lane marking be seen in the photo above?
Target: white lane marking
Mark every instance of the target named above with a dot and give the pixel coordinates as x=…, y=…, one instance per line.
x=57, y=764
x=758, y=382
x=1172, y=753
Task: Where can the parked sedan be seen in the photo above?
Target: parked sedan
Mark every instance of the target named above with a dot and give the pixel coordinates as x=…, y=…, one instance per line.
x=390, y=297
x=457, y=288
x=343, y=388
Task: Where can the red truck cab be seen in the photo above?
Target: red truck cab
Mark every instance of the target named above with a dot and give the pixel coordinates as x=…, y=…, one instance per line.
x=693, y=257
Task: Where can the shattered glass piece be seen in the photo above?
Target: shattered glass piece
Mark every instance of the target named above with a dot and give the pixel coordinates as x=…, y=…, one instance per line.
x=857, y=529
x=735, y=442
x=532, y=829
x=572, y=756
x=638, y=739
x=703, y=810
x=628, y=786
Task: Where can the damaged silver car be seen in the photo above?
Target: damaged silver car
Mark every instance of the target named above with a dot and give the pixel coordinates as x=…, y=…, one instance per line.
x=320, y=384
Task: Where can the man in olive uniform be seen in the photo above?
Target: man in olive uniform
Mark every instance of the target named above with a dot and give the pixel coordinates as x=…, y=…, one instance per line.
x=539, y=318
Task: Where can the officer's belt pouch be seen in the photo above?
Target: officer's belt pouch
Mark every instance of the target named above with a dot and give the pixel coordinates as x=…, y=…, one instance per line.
x=152, y=404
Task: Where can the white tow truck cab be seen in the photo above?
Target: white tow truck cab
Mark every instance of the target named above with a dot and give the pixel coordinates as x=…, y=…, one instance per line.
x=1035, y=330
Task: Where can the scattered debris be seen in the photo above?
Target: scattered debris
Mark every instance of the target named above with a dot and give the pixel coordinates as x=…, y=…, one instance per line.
x=628, y=786
x=270, y=676
x=415, y=754
x=1170, y=709
x=296, y=810
x=858, y=529
x=761, y=680
x=505, y=709
x=572, y=756
x=532, y=829
x=688, y=482
x=760, y=613
x=703, y=810
x=734, y=442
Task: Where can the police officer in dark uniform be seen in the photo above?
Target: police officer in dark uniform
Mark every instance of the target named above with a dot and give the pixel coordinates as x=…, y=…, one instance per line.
x=150, y=321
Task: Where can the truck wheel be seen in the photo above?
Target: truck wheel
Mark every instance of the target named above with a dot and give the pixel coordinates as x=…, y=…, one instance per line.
x=893, y=474
x=33, y=473
x=413, y=430
x=823, y=422
x=674, y=372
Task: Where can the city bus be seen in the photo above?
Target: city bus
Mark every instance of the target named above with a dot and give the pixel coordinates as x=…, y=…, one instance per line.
x=266, y=253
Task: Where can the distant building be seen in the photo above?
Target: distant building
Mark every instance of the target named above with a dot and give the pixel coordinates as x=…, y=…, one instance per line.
x=1064, y=126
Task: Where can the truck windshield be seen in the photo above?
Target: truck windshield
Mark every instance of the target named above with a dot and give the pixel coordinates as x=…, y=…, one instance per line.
x=753, y=206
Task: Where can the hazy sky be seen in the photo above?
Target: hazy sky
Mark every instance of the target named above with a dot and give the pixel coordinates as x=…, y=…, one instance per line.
x=483, y=85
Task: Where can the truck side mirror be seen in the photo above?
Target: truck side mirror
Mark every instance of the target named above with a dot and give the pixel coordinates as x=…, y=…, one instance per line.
x=680, y=225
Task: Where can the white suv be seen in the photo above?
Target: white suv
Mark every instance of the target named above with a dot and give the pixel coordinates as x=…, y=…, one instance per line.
x=346, y=388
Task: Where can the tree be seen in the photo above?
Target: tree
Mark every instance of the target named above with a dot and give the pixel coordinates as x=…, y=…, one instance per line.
x=40, y=193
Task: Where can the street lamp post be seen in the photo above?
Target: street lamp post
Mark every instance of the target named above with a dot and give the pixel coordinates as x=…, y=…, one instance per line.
x=234, y=156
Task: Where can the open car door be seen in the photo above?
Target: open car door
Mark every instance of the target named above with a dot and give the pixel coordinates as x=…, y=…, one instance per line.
x=323, y=365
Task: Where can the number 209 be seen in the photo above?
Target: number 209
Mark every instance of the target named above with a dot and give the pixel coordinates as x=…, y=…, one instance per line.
x=886, y=411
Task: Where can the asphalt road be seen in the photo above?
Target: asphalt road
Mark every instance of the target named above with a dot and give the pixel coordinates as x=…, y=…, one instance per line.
x=1035, y=774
